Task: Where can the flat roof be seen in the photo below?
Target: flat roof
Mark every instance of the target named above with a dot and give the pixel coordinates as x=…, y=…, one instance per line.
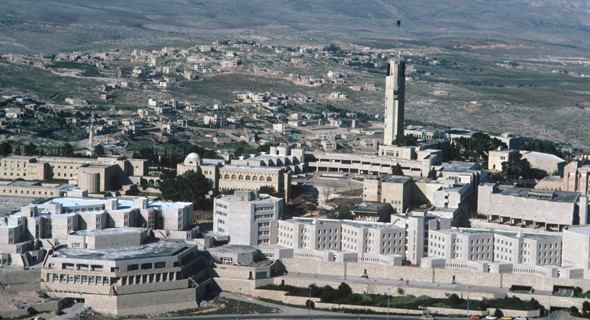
x=369, y=206
x=396, y=179
x=233, y=248
x=161, y=248
x=551, y=195
x=252, y=168
x=357, y=224
x=544, y=157
x=109, y=231
x=458, y=166
x=514, y=235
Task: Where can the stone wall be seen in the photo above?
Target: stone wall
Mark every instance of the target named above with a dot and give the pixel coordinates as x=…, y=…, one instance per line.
x=20, y=277
x=429, y=275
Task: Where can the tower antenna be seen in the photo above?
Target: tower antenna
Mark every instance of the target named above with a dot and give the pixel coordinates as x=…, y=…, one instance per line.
x=399, y=23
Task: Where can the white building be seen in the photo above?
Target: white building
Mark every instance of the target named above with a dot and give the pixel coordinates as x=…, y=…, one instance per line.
x=247, y=218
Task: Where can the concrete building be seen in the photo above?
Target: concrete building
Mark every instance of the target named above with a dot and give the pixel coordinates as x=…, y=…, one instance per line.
x=530, y=207
x=544, y=161
x=282, y=156
x=575, y=179
x=127, y=280
x=247, y=218
x=395, y=87
x=492, y=251
x=94, y=175
x=394, y=190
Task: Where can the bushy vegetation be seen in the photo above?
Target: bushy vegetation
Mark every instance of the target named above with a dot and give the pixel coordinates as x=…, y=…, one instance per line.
x=343, y=295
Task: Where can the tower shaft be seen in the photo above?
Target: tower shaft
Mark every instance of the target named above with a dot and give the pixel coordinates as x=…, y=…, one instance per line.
x=395, y=88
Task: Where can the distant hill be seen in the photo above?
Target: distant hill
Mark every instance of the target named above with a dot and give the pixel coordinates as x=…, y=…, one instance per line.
x=34, y=26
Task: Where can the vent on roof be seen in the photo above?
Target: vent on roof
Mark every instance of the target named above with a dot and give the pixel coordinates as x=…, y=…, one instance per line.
x=542, y=193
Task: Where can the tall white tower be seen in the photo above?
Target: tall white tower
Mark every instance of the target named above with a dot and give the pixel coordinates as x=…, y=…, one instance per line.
x=395, y=88
x=91, y=136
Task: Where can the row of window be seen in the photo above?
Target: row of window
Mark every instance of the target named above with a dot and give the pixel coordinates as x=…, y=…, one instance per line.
x=248, y=178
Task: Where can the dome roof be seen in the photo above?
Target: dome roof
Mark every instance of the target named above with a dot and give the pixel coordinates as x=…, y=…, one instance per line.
x=193, y=159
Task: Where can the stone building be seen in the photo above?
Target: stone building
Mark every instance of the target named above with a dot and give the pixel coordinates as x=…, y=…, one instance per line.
x=84, y=223
x=128, y=280
x=495, y=251
x=247, y=218
x=94, y=175
x=252, y=173
x=530, y=207
x=575, y=178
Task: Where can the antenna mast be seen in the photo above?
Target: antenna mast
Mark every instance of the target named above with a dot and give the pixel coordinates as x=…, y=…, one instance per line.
x=399, y=23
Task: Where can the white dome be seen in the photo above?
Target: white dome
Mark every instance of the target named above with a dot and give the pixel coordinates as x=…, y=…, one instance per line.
x=193, y=159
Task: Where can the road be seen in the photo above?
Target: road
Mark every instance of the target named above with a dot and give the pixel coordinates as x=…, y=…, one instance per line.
x=333, y=316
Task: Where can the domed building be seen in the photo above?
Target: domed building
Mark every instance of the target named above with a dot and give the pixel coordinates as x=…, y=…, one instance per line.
x=224, y=177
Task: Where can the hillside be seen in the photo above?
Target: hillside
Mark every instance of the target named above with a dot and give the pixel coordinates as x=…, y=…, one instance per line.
x=41, y=26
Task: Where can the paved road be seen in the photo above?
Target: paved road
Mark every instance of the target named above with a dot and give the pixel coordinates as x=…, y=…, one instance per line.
x=333, y=316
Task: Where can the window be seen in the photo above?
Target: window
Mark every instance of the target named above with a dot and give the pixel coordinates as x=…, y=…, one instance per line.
x=268, y=179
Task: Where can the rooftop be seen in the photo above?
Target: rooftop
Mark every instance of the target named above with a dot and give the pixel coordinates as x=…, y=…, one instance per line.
x=544, y=157
x=109, y=231
x=547, y=195
x=159, y=248
x=252, y=168
x=356, y=224
x=370, y=206
x=233, y=248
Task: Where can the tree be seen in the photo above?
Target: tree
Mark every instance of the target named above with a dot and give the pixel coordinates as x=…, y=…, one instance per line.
x=454, y=299
x=271, y=191
x=397, y=170
x=5, y=148
x=190, y=187
x=574, y=311
x=344, y=213
x=498, y=313
x=404, y=140
x=30, y=149
x=67, y=150
x=99, y=151
x=332, y=48
x=239, y=151
x=263, y=148
x=344, y=290
x=432, y=174
x=311, y=200
x=17, y=151
x=515, y=167
x=585, y=307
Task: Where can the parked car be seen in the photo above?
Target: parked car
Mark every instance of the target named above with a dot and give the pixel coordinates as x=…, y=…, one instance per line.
x=427, y=317
x=491, y=317
x=473, y=316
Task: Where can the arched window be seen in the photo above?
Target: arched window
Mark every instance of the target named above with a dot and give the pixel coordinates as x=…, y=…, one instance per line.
x=247, y=178
x=268, y=179
x=226, y=176
x=241, y=177
x=254, y=178
x=233, y=177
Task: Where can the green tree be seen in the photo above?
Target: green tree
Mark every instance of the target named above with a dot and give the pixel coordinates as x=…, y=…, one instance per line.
x=239, y=151
x=311, y=200
x=30, y=149
x=263, y=148
x=344, y=290
x=574, y=311
x=17, y=151
x=99, y=151
x=5, y=148
x=585, y=307
x=498, y=313
x=404, y=140
x=271, y=191
x=190, y=187
x=515, y=167
x=397, y=170
x=432, y=174
x=67, y=150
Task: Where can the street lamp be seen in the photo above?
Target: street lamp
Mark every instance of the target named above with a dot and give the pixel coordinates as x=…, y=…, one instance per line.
x=156, y=304
x=309, y=305
x=238, y=310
